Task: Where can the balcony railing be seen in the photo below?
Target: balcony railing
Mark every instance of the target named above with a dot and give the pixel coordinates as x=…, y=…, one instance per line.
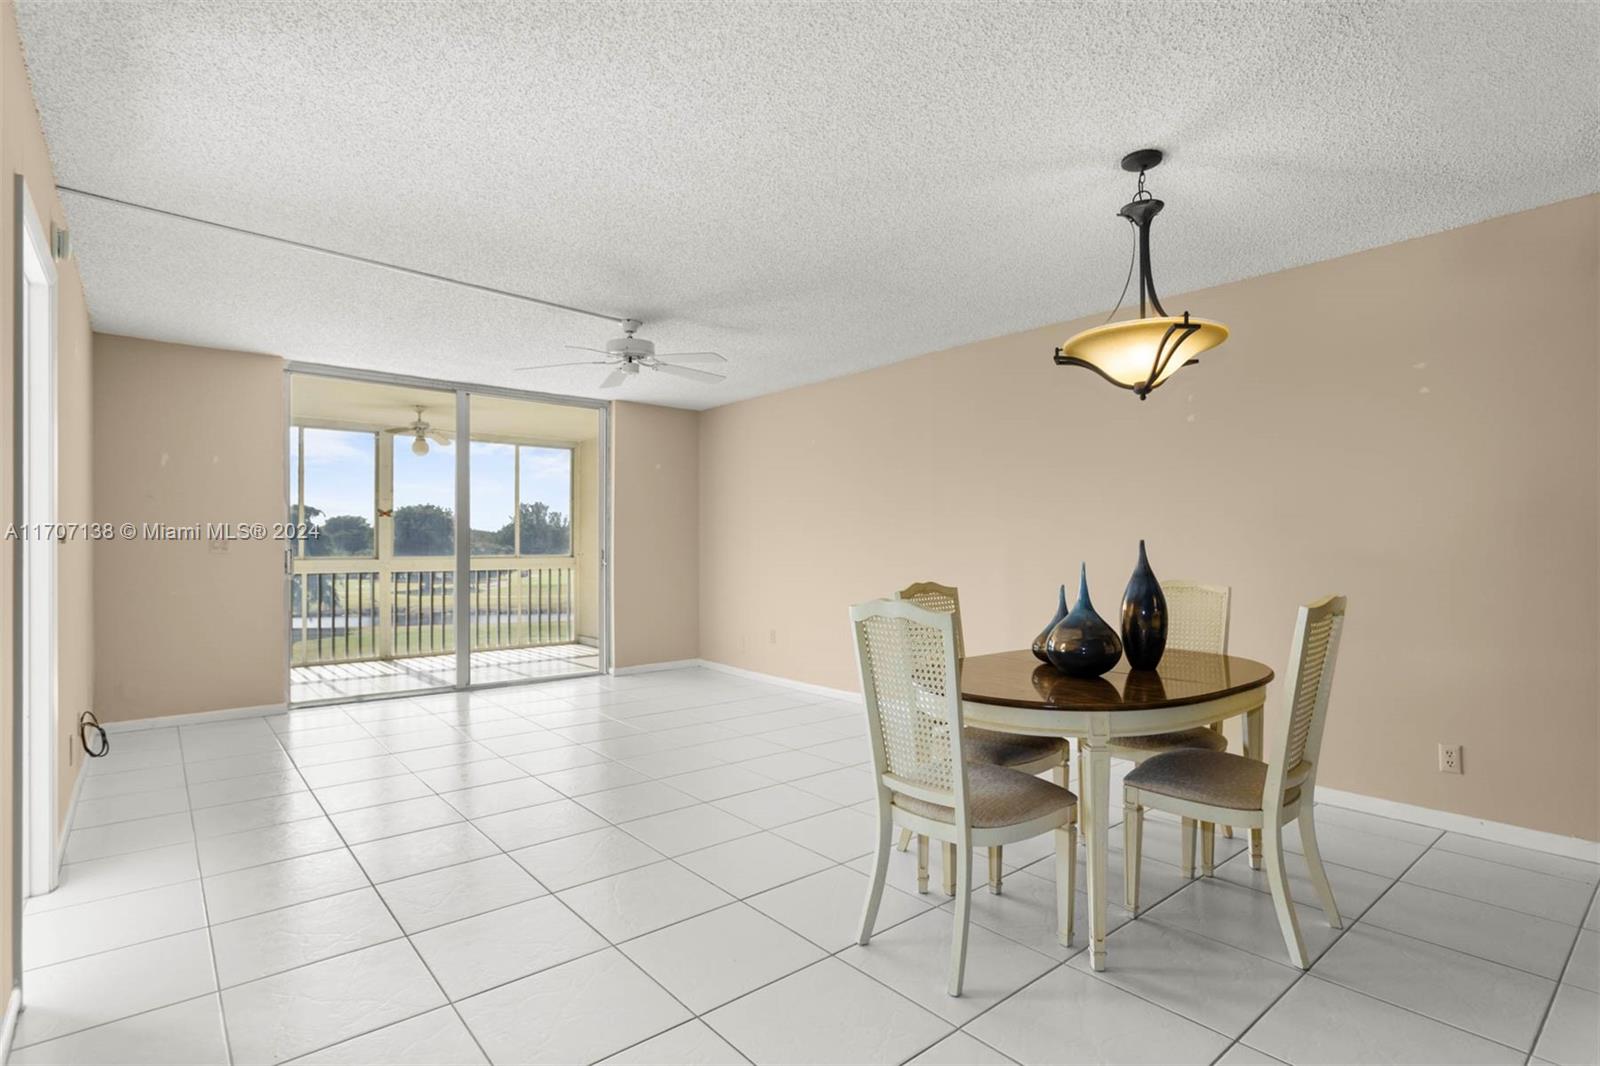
x=342, y=613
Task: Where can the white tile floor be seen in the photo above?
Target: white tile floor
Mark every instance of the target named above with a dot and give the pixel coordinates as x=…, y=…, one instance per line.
x=668, y=868
x=344, y=681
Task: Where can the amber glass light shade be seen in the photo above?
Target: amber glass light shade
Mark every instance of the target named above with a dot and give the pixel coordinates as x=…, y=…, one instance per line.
x=1126, y=353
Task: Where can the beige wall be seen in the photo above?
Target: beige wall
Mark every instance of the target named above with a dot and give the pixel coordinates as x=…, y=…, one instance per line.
x=655, y=534
x=22, y=151
x=1413, y=426
x=186, y=435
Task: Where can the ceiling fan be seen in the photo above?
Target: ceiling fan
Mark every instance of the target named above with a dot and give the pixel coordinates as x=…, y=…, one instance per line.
x=627, y=354
x=422, y=431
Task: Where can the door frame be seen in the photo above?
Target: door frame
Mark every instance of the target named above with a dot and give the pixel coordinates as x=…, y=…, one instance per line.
x=463, y=391
x=35, y=605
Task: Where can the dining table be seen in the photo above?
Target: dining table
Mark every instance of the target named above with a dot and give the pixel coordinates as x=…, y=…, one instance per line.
x=1013, y=692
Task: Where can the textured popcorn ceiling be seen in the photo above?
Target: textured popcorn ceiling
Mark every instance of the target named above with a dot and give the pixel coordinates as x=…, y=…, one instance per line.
x=811, y=189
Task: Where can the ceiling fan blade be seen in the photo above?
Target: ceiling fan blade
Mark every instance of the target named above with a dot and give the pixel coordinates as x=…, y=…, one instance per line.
x=686, y=372
x=584, y=348
x=552, y=366
x=410, y=431
x=693, y=357
x=439, y=439
x=615, y=378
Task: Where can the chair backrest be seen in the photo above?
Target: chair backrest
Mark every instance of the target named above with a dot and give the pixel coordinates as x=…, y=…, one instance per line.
x=936, y=597
x=911, y=679
x=1197, y=616
x=1306, y=687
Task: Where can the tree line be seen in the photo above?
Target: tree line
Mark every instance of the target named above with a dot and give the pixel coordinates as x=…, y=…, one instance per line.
x=428, y=529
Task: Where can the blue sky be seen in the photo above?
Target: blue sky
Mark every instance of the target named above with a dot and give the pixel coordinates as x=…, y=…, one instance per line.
x=340, y=472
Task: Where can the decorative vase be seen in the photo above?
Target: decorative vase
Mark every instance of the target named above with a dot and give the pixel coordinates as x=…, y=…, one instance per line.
x=1042, y=641
x=1082, y=644
x=1144, y=617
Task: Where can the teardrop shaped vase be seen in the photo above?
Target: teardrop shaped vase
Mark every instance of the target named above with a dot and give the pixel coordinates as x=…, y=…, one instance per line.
x=1083, y=644
x=1144, y=617
x=1042, y=641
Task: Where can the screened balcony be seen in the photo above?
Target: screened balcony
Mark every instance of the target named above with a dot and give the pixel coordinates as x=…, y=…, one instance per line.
x=373, y=600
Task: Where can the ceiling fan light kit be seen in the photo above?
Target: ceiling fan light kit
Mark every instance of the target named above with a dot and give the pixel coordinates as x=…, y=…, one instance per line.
x=421, y=430
x=1142, y=354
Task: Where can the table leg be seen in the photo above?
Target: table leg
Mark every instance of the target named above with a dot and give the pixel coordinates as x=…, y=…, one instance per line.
x=1255, y=748
x=1098, y=789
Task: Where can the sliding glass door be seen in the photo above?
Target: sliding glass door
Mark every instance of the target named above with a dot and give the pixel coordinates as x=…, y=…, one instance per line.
x=530, y=547
x=448, y=538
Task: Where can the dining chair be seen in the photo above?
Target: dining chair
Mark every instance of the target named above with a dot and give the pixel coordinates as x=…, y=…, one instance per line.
x=1014, y=751
x=1222, y=788
x=1197, y=620
x=911, y=679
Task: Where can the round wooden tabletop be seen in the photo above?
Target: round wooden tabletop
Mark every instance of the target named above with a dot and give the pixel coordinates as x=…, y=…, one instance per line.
x=1017, y=679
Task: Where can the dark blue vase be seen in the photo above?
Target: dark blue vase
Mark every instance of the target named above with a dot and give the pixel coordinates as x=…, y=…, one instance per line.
x=1144, y=617
x=1042, y=641
x=1082, y=644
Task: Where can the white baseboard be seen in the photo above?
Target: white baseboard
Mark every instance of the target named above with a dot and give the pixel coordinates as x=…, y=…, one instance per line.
x=651, y=668
x=8, y=1028
x=1500, y=832
x=197, y=717
x=774, y=679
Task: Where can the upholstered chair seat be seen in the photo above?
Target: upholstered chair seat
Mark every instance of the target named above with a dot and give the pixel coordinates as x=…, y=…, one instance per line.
x=1200, y=738
x=1217, y=778
x=1013, y=750
x=996, y=797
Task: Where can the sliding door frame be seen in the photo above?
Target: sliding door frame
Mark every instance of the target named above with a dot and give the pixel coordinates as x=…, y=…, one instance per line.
x=464, y=392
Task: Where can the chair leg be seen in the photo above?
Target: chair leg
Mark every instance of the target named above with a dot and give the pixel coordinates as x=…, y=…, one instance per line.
x=995, y=855
x=1066, y=881
x=922, y=864
x=1072, y=879
x=1187, y=831
x=958, y=944
x=880, y=873
x=950, y=869
x=1282, y=902
x=905, y=839
x=1319, y=875
x=1208, y=848
x=1132, y=853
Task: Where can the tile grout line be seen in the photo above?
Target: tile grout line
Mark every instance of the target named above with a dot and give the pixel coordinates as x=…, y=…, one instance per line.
x=373, y=887
x=609, y=944
x=1561, y=980
x=1340, y=936
x=205, y=912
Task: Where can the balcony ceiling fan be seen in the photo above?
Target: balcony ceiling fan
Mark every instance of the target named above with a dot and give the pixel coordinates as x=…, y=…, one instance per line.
x=627, y=355
x=422, y=431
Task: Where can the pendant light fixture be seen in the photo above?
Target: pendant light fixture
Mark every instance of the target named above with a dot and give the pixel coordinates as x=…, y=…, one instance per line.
x=1141, y=354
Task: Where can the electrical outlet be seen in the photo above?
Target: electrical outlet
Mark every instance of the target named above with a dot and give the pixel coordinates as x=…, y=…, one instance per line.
x=1449, y=758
